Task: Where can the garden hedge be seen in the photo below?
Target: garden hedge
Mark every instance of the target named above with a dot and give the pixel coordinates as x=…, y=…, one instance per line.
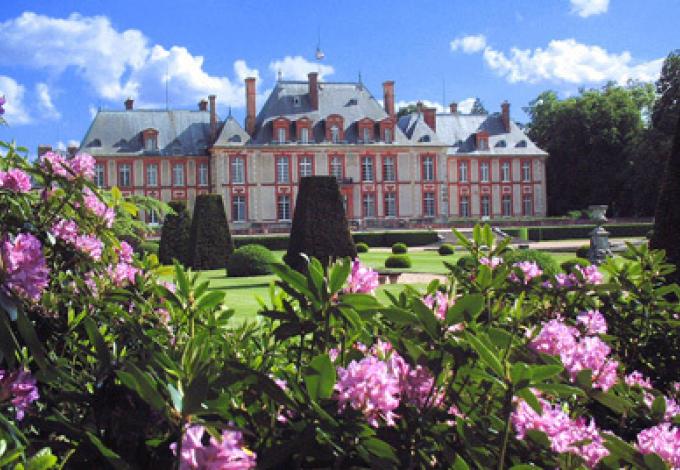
x=563, y=232
x=148, y=247
x=210, y=242
x=446, y=249
x=546, y=262
x=399, y=248
x=175, y=235
x=398, y=261
x=389, y=238
x=362, y=247
x=250, y=260
x=273, y=242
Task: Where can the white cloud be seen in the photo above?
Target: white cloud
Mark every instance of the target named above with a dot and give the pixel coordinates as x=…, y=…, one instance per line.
x=567, y=60
x=426, y=103
x=45, y=105
x=92, y=110
x=469, y=44
x=297, y=68
x=73, y=143
x=465, y=106
x=60, y=146
x=586, y=8
x=15, y=110
x=116, y=64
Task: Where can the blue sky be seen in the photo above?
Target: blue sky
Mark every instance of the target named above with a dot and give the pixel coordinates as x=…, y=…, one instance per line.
x=61, y=61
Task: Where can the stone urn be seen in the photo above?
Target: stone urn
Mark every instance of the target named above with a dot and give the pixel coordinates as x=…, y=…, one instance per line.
x=599, y=237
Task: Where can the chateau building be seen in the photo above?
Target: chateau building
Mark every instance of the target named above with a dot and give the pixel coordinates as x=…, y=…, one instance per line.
x=422, y=168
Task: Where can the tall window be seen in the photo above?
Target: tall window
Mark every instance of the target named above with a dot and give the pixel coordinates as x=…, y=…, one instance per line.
x=428, y=168
x=304, y=135
x=388, y=135
x=305, y=166
x=390, y=202
x=153, y=218
x=527, y=205
x=99, y=175
x=367, y=135
x=463, y=172
x=203, y=174
x=484, y=172
x=238, y=208
x=238, y=170
x=428, y=204
x=124, y=172
x=388, y=169
x=283, y=207
x=152, y=174
x=369, y=205
x=178, y=174
x=282, y=135
x=526, y=170
x=367, y=169
x=486, y=206
x=506, y=203
x=336, y=167
x=505, y=172
x=282, y=170
x=335, y=134
x=465, y=206
x=151, y=143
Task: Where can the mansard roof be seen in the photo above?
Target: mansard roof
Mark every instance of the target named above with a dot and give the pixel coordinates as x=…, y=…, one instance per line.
x=232, y=134
x=414, y=127
x=180, y=132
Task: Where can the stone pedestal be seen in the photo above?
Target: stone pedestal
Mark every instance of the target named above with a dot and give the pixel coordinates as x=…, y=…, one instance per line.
x=599, y=237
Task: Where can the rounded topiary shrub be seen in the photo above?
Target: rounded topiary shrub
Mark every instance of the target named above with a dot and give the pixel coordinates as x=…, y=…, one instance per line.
x=546, y=262
x=250, y=260
x=569, y=265
x=175, y=235
x=446, y=249
x=582, y=251
x=398, y=261
x=210, y=242
x=399, y=248
x=362, y=247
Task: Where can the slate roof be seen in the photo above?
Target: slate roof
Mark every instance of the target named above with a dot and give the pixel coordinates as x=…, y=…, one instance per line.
x=414, y=127
x=180, y=132
x=232, y=134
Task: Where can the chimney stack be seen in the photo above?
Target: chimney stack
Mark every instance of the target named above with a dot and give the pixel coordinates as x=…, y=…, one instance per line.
x=203, y=105
x=419, y=107
x=430, y=117
x=505, y=115
x=129, y=104
x=213, y=117
x=43, y=149
x=314, y=89
x=72, y=149
x=250, y=106
x=388, y=97
x=453, y=107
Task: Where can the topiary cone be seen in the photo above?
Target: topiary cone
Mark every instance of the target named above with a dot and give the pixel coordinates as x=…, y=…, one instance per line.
x=320, y=227
x=210, y=243
x=175, y=235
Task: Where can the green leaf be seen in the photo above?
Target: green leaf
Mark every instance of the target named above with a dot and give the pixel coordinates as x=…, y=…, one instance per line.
x=460, y=464
x=399, y=316
x=529, y=397
x=523, y=466
x=175, y=397
x=8, y=342
x=293, y=278
x=42, y=460
x=519, y=372
x=560, y=390
x=380, y=449
x=338, y=275
x=659, y=407
x=584, y=379
x=29, y=335
x=103, y=355
x=654, y=462
x=488, y=357
x=619, y=447
x=320, y=377
x=210, y=300
x=613, y=401
x=467, y=308
x=8, y=304
x=541, y=372
x=361, y=302
x=195, y=393
x=114, y=459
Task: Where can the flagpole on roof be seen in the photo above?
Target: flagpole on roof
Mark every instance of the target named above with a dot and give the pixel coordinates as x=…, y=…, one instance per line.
x=319, y=55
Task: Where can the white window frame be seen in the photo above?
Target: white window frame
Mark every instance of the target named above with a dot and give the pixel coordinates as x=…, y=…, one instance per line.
x=335, y=134
x=151, y=143
x=283, y=170
x=485, y=205
x=238, y=175
x=203, y=174
x=304, y=135
x=99, y=175
x=367, y=169
x=465, y=206
x=390, y=204
x=526, y=171
x=337, y=169
x=149, y=180
x=528, y=204
x=388, y=135
x=428, y=204
x=463, y=176
x=366, y=135
x=282, y=135
x=124, y=175
x=484, y=172
x=505, y=172
x=506, y=205
x=389, y=165
x=177, y=178
x=153, y=218
x=305, y=167
x=428, y=168
x=238, y=208
x=368, y=205
x=283, y=207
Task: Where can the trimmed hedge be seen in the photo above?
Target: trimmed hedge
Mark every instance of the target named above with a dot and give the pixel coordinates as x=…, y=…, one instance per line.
x=446, y=249
x=175, y=235
x=398, y=261
x=563, y=232
x=389, y=238
x=399, y=248
x=272, y=242
x=546, y=262
x=148, y=247
x=362, y=247
x=250, y=260
x=582, y=251
x=210, y=242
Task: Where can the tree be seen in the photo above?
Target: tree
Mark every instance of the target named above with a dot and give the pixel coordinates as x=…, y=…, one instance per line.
x=210, y=242
x=478, y=107
x=406, y=110
x=666, y=110
x=320, y=227
x=175, y=235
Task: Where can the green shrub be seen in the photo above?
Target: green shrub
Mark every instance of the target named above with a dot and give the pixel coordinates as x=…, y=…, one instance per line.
x=148, y=247
x=175, y=235
x=210, y=241
x=546, y=262
x=446, y=249
x=250, y=260
x=362, y=247
x=565, y=232
x=273, y=242
x=388, y=238
x=398, y=261
x=523, y=233
x=582, y=251
x=569, y=265
x=466, y=262
x=399, y=248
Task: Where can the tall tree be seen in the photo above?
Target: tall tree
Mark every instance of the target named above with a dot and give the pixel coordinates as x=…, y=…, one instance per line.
x=210, y=241
x=666, y=110
x=478, y=107
x=175, y=235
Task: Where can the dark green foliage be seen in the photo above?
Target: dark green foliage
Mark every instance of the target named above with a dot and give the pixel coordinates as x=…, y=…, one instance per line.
x=250, y=260
x=175, y=234
x=667, y=220
x=478, y=107
x=389, y=238
x=210, y=243
x=399, y=248
x=148, y=248
x=546, y=262
x=362, y=247
x=446, y=249
x=565, y=232
x=582, y=251
x=273, y=242
x=466, y=262
x=320, y=226
x=569, y=265
x=398, y=261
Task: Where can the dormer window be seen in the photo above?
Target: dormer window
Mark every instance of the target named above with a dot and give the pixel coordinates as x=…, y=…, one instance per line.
x=281, y=128
x=482, y=142
x=365, y=130
x=335, y=134
x=366, y=135
x=387, y=130
x=388, y=135
x=150, y=137
x=303, y=128
x=95, y=143
x=334, y=128
x=282, y=135
x=296, y=101
x=304, y=135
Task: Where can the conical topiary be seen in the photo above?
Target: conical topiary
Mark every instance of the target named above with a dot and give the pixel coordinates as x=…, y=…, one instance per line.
x=210, y=242
x=320, y=226
x=175, y=235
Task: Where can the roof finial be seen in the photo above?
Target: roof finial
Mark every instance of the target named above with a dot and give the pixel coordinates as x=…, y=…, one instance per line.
x=279, y=75
x=319, y=55
x=229, y=112
x=360, y=82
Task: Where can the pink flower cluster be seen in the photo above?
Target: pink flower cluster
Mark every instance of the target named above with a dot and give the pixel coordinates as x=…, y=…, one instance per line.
x=98, y=207
x=15, y=180
x=663, y=440
x=67, y=230
x=529, y=270
x=80, y=165
x=20, y=387
x=122, y=274
x=439, y=302
x=636, y=378
x=362, y=279
x=26, y=273
x=492, y=262
x=593, y=321
x=590, y=275
x=227, y=453
x=565, y=434
x=577, y=353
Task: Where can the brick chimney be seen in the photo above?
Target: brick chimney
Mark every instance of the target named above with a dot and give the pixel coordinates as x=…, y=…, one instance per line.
x=213, y=117
x=430, y=117
x=203, y=105
x=43, y=149
x=388, y=97
x=314, y=89
x=419, y=107
x=505, y=115
x=72, y=149
x=453, y=107
x=250, y=106
x=129, y=104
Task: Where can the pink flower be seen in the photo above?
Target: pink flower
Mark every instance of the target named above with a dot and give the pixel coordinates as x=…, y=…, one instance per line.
x=125, y=253
x=565, y=280
x=492, y=262
x=122, y=273
x=66, y=230
x=26, y=273
x=15, y=180
x=98, y=207
x=593, y=321
x=554, y=338
x=83, y=165
x=417, y=388
x=91, y=246
x=362, y=279
x=636, y=378
x=439, y=302
x=663, y=440
x=591, y=275
x=21, y=387
x=672, y=406
x=55, y=162
x=529, y=269
x=227, y=453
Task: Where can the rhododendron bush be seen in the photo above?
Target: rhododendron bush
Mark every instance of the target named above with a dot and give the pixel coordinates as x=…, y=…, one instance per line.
x=107, y=362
